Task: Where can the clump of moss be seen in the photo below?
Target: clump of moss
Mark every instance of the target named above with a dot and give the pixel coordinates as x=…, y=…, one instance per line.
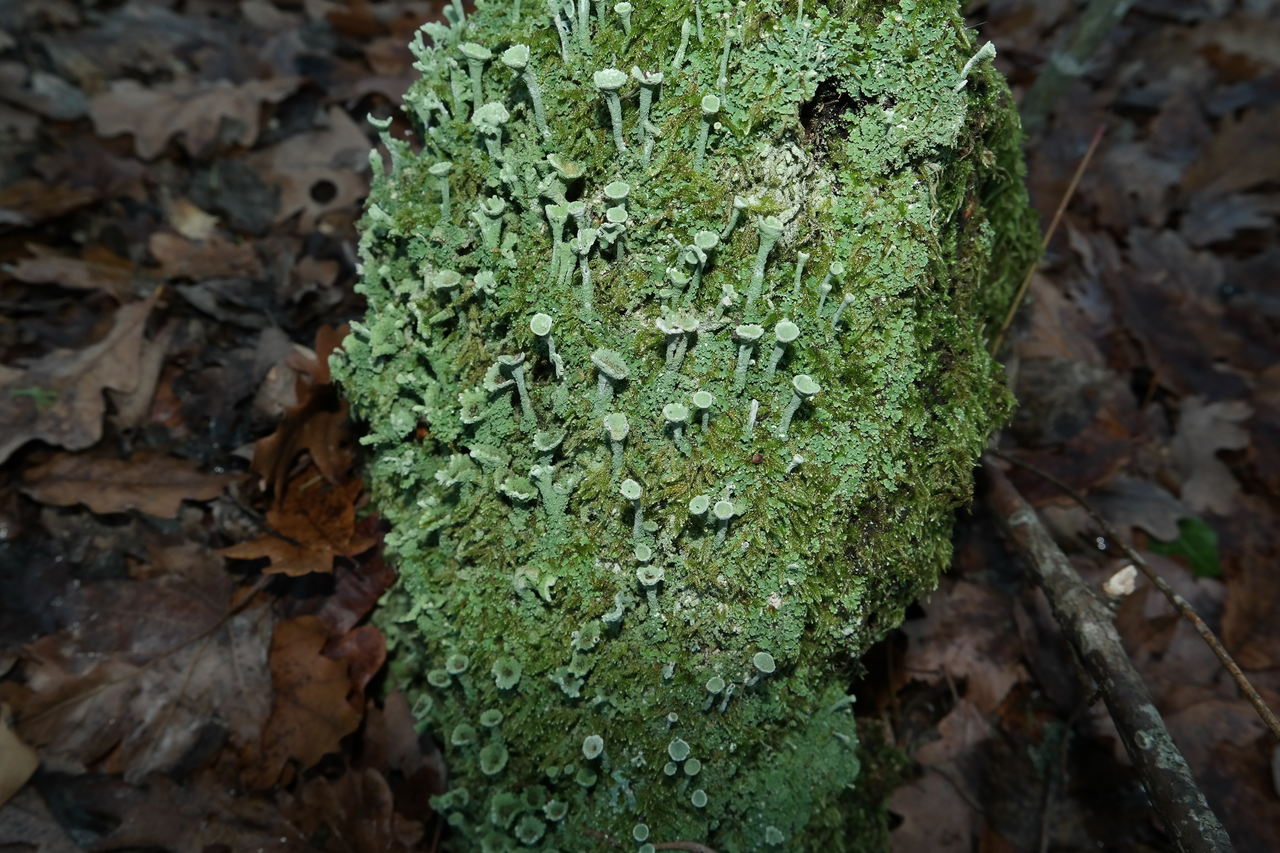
x=674, y=372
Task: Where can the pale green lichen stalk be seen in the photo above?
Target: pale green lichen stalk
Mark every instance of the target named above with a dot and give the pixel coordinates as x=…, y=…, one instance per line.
x=674, y=371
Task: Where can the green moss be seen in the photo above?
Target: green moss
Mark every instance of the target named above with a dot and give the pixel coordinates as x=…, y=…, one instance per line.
x=724, y=456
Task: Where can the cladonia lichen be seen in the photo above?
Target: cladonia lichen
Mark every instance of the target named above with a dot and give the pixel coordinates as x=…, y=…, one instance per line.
x=782, y=236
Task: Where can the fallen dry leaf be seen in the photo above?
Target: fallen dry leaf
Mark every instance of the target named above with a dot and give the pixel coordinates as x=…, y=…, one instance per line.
x=318, y=172
x=1134, y=185
x=31, y=201
x=317, y=425
x=353, y=813
x=963, y=637
x=1241, y=155
x=1243, y=36
x=191, y=110
x=1264, y=426
x=311, y=276
x=1204, y=429
x=1130, y=502
x=41, y=92
x=241, y=302
x=1213, y=218
x=189, y=220
x=18, y=125
x=58, y=399
x=131, y=695
x=314, y=524
x=149, y=482
x=1077, y=421
x=17, y=760
x=313, y=708
x=358, y=812
x=98, y=269
x=265, y=15
x=959, y=732
x=132, y=408
x=1249, y=624
x=216, y=257
x=357, y=588
x=1226, y=745
x=320, y=427
x=1175, y=661
x=1057, y=326
x=87, y=161
x=935, y=816
x=390, y=741
x=365, y=651
x=1169, y=299
x=199, y=815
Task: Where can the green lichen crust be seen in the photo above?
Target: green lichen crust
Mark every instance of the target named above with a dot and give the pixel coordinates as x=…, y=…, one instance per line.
x=674, y=372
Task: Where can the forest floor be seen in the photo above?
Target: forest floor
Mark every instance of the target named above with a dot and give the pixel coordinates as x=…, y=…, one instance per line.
x=187, y=567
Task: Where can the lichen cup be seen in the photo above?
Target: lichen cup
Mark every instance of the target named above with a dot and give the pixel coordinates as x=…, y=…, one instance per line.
x=659, y=608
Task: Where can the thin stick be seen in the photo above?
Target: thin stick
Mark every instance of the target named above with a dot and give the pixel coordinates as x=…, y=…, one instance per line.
x=1086, y=624
x=1048, y=235
x=691, y=846
x=1179, y=603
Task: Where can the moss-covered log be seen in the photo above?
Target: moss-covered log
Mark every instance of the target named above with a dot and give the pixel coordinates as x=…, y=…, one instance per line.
x=674, y=373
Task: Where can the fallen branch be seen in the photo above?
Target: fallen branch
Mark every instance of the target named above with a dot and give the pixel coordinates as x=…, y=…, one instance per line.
x=1086, y=623
x=1179, y=603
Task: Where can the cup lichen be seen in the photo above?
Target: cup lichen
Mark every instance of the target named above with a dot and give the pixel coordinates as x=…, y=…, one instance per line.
x=873, y=142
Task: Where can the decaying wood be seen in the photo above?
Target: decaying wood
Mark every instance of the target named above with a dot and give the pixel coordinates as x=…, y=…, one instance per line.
x=1175, y=600
x=1086, y=623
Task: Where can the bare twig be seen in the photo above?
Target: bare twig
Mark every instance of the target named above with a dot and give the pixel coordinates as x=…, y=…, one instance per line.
x=1086, y=623
x=1092, y=29
x=691, y=846
x=1179, y=603
x=1048, y=236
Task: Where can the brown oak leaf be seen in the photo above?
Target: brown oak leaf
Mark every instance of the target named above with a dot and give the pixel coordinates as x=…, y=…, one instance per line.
x=317, y=424
x=193, y=111
x=962, y=637
x=358, y=811
x=216, y=257
x=1241, y=155
x=1204, y=429
x=150, y=482
x=58, y=398
x=318, y=172
x=196, y=814
x=315, y=703
x=28, y=201
x=147, y=670
x=314, y=524
x=98, y=269
x=17, y=760
x=356, y=589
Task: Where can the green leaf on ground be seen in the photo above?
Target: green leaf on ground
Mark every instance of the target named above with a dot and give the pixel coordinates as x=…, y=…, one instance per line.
x=1196, y=541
